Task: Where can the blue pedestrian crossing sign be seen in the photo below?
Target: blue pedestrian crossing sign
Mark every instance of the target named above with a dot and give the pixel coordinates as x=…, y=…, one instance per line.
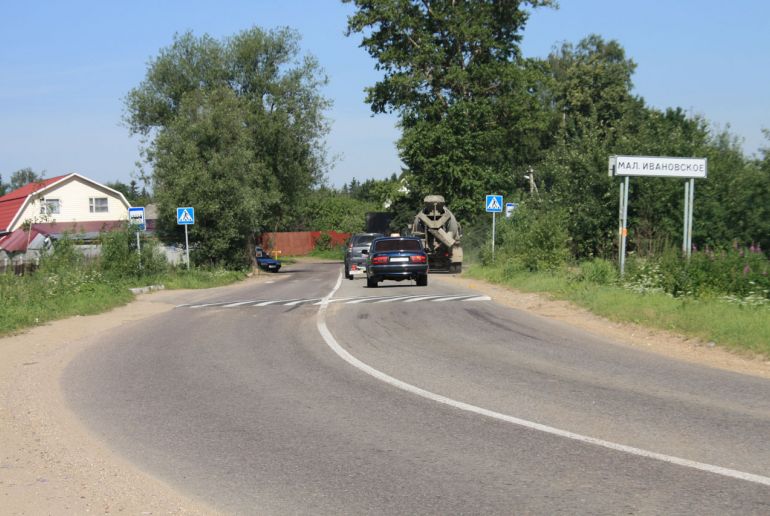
x=494, y=203
x=185, y=216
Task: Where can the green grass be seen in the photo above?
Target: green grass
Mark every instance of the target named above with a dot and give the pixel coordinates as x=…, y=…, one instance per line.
x=737, y=327
x=337, y=254
x=37, y=298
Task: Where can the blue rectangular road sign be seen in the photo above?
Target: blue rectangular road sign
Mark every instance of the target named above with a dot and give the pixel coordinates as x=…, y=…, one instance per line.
x=494, y=203
x=185, y=216
x=136, y=217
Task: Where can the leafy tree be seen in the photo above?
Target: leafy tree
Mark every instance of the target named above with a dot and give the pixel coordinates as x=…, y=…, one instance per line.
x=236, y=131
x=3, y=186
x=592, y=84
x=328, y=210
x=469, y=105
x=131, y=192
x=24, y=177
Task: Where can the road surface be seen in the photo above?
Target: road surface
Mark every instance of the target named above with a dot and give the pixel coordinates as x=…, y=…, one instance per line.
x=312, y=394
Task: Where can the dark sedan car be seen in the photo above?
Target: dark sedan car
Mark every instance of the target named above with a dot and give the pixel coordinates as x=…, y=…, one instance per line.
x=265, y=261
x=396, y=258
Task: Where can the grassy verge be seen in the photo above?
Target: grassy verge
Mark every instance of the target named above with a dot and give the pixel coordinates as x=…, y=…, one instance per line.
x=27, y=301
x=337, y=254
x=737, y=327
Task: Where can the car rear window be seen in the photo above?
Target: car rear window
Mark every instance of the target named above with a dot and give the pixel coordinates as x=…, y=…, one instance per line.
x=398, y=245
x=364, y=239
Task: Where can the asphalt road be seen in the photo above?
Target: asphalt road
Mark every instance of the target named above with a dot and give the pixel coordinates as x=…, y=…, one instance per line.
x=241, y=401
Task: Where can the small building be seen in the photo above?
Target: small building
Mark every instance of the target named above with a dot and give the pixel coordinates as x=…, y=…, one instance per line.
x=69, y=203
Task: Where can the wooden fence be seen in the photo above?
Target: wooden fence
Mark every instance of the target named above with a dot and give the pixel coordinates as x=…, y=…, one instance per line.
x=298, y=243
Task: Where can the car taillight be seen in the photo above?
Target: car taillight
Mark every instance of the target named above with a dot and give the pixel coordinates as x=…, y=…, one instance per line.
x=379, y=260
x=420, y=258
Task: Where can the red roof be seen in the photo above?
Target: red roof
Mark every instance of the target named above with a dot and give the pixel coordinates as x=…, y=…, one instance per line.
x=17, y=241
x=11, y=202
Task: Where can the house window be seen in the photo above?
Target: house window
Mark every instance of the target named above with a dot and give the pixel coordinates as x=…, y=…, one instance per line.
x=50, y=207
x=97, y=204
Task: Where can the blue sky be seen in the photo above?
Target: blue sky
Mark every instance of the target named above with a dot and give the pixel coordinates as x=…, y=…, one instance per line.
x=66, y=66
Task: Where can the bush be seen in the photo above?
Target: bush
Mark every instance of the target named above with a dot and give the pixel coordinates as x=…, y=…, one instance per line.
x=323, y=242
x=63, y=256
x=535, y=238
x=739, y=273
x=599, y=271
x=119, y=257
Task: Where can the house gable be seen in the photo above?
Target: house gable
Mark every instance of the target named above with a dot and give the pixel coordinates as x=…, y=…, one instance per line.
x=11, y=203
x=77, y=199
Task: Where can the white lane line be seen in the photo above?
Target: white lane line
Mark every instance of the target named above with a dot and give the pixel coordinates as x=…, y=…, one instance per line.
x=356, y=301
x=479, y=298
x=338, y=300
x=448, y=298
x=293, y=303
x=391, y=299
x=239, y=303
x=350, y=359
x=265, y=303
x=420, y=298
x=208, y=304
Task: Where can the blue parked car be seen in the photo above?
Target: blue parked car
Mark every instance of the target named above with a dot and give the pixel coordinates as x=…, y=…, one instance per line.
x=265, y=261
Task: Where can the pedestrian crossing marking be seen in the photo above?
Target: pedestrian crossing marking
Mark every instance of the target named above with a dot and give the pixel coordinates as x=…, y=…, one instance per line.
x=259, y=303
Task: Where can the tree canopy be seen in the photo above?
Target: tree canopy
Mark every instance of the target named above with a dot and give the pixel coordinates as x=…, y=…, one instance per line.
x=20, y=178
x=478, y=117
x=235, y=129
x=468, y=102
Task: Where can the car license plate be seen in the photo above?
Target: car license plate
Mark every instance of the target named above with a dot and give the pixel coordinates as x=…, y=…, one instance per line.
x=399, y=259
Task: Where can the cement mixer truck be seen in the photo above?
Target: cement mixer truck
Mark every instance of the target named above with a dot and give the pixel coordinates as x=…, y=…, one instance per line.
x=440, y=233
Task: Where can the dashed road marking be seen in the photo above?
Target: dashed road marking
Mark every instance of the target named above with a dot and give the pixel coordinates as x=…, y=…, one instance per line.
x=316, y=301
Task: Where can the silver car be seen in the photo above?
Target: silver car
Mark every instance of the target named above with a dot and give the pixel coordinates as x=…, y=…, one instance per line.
x=355, y=262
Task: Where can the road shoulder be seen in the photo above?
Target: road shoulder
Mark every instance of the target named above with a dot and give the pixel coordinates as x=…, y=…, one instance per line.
x=664, y=343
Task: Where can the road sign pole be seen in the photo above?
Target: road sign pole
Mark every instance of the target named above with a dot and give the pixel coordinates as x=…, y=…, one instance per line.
x=493, y=235
x=186, y=247
x=624, y=230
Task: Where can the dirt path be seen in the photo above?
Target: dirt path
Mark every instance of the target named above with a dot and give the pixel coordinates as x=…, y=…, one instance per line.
x=51, y=464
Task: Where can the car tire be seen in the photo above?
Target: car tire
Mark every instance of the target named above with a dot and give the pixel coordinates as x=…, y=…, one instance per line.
x=347, y=274
x=371, y=282
x=422, y=281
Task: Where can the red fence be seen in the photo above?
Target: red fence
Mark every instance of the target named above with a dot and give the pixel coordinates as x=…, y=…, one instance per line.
x=299, y=243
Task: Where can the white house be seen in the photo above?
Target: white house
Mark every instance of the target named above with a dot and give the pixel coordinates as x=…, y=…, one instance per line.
x=68, y=203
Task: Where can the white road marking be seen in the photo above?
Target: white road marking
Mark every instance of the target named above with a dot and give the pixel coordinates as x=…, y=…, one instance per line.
x=448, y=298
x=347, y=300
x=350, y=359
x=391, y=299
x=293, y=303
x=479, y=298
x=208, y=304
x=420, y=298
